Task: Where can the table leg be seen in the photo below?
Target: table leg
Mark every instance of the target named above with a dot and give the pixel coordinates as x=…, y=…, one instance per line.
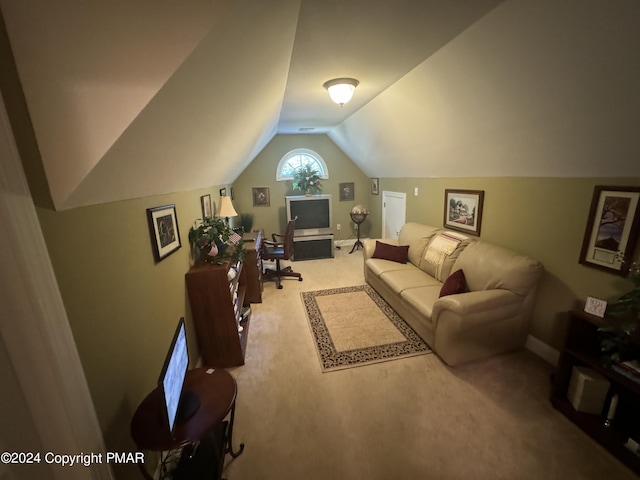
x=229, y=448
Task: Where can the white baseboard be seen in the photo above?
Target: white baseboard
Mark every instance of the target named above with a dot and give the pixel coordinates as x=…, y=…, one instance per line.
x=347, y=242
x=344, y=243
x=544, y=351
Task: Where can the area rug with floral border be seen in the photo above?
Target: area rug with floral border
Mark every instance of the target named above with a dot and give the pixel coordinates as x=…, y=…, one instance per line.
x=354, y=326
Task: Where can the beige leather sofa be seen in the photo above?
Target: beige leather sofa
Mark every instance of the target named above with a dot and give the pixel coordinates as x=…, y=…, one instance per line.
x=490, y=318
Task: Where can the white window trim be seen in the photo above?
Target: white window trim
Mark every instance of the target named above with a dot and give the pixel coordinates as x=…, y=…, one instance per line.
x=300, y=151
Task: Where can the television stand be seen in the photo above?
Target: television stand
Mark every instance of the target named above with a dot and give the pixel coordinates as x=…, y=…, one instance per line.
x=313, y=247
x=210, y=428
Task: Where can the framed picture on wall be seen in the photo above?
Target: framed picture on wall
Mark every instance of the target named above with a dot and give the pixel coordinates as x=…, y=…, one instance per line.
x=163, y=228
x=347, y=191
x=463, y=210
x=612, y=228
x=375, y=189
x=223, y=192
x=261, y=197
x=205, y=203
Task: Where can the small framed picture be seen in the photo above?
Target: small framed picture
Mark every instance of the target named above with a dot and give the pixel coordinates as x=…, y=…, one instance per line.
x=261, y=197
x=223, y=192
x=163, y=228
x=347, y=191
x=463, y=210
x=374, y=186
x=232, y=193
x=595, y=306
x=612, y=228
x=205, y=202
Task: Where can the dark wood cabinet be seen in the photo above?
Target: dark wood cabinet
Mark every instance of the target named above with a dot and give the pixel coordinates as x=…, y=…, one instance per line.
x=217, y=295
x=582, y=348
x=253, y=266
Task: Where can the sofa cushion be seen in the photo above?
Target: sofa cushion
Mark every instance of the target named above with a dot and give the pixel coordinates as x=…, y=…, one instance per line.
x=395, y=253
x=417, y=236
x=441, y=253
x=400, y=280
x=422, y=298
x=456, y=283
x=378, y=266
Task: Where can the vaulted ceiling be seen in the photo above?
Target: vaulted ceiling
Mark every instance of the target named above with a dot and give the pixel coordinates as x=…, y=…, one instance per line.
x=137, y=98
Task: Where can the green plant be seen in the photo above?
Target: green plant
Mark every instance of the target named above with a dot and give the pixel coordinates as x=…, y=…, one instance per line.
x=620, y=333
x=246, y=221
x=306, y=179
x=215, y=231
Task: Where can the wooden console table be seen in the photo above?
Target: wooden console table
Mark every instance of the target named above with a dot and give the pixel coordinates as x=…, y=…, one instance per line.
x=217, y=391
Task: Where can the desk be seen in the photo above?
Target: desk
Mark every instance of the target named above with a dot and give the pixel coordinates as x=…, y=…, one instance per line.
x=253, y=266
x=217, y=391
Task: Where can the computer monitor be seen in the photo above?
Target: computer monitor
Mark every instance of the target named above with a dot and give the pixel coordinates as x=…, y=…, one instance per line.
x=179, y=405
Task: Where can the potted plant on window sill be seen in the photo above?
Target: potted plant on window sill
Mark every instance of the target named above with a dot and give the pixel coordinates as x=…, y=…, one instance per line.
x=306, y=179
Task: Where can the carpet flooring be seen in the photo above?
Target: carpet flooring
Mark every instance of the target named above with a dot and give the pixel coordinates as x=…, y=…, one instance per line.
x=354, y=326
x=412, y=419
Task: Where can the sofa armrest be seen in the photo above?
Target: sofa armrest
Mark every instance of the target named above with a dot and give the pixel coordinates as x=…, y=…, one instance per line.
x=370, y=245
x=476, y=309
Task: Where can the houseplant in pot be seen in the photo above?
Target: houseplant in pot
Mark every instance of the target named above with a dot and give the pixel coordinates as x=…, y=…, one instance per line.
x=246, y=222
x=306, y=179
x=215, y=242
x=620, y=333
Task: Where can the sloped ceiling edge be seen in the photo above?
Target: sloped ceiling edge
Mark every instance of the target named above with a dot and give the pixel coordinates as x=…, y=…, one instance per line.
x=210, y=119
x=533, y=89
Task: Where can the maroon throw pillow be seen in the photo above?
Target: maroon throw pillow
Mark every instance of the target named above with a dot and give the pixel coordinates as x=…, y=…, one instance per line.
x=456, y=283
x=394, y=253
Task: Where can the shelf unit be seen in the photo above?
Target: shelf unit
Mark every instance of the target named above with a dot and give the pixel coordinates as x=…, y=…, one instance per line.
x=582, y=348
x=217, y=302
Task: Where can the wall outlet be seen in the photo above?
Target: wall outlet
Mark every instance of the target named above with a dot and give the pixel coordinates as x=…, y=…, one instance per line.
x=338, y=227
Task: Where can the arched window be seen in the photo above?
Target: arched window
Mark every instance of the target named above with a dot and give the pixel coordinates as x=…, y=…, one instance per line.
x=298, y=158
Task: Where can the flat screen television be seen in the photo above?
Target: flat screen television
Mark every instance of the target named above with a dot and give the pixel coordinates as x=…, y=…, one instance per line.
x=179, y=405
x=313, y=212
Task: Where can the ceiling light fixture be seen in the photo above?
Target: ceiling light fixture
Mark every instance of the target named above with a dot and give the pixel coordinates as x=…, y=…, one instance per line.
x=341, y=89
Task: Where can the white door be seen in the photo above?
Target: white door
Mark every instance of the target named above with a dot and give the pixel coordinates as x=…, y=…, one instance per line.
x=394, y=212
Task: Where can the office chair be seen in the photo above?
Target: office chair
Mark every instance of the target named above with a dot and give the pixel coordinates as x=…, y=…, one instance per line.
x=279, y=250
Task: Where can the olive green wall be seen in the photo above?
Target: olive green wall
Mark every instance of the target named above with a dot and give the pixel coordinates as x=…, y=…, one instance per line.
x=123, y=307
x=544, y=218
x=262, y=173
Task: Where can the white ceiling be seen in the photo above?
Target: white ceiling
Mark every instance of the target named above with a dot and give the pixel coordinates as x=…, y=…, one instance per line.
x=132, y=99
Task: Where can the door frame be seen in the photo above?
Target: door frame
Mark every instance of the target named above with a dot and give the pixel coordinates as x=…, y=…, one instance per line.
x=387, y=194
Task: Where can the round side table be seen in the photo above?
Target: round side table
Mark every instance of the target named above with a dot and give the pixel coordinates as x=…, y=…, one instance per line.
x=216, y=390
